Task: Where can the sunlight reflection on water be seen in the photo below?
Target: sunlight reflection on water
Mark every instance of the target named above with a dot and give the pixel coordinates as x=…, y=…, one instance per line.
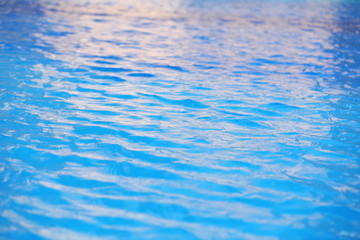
x=184, y=119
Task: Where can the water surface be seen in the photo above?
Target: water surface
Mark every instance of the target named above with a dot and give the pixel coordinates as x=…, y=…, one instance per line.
x=179, y=120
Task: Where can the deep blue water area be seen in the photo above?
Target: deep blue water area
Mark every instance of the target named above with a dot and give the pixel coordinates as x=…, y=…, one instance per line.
x=184, y=119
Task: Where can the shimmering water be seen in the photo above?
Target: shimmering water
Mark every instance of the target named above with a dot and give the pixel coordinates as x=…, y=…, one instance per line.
x=182, y=119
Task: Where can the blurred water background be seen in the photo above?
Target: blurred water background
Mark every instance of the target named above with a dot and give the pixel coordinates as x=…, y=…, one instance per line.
x=182, y=119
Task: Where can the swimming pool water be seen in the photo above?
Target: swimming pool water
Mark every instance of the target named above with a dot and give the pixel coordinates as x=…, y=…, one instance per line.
x=179, y=119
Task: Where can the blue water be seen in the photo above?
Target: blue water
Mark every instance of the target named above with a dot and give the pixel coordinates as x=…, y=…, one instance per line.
x=182, y=119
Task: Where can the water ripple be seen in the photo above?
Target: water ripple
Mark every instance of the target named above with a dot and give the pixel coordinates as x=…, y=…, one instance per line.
x=179, y=120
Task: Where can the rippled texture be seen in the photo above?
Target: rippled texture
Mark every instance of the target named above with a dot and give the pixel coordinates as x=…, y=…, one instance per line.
x=179, y=119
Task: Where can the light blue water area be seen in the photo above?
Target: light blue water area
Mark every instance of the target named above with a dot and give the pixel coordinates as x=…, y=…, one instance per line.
x=183, y=119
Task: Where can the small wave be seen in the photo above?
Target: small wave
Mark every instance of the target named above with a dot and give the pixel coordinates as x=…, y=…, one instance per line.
x=111, y=69
x=144, y=75
x=184, y=102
